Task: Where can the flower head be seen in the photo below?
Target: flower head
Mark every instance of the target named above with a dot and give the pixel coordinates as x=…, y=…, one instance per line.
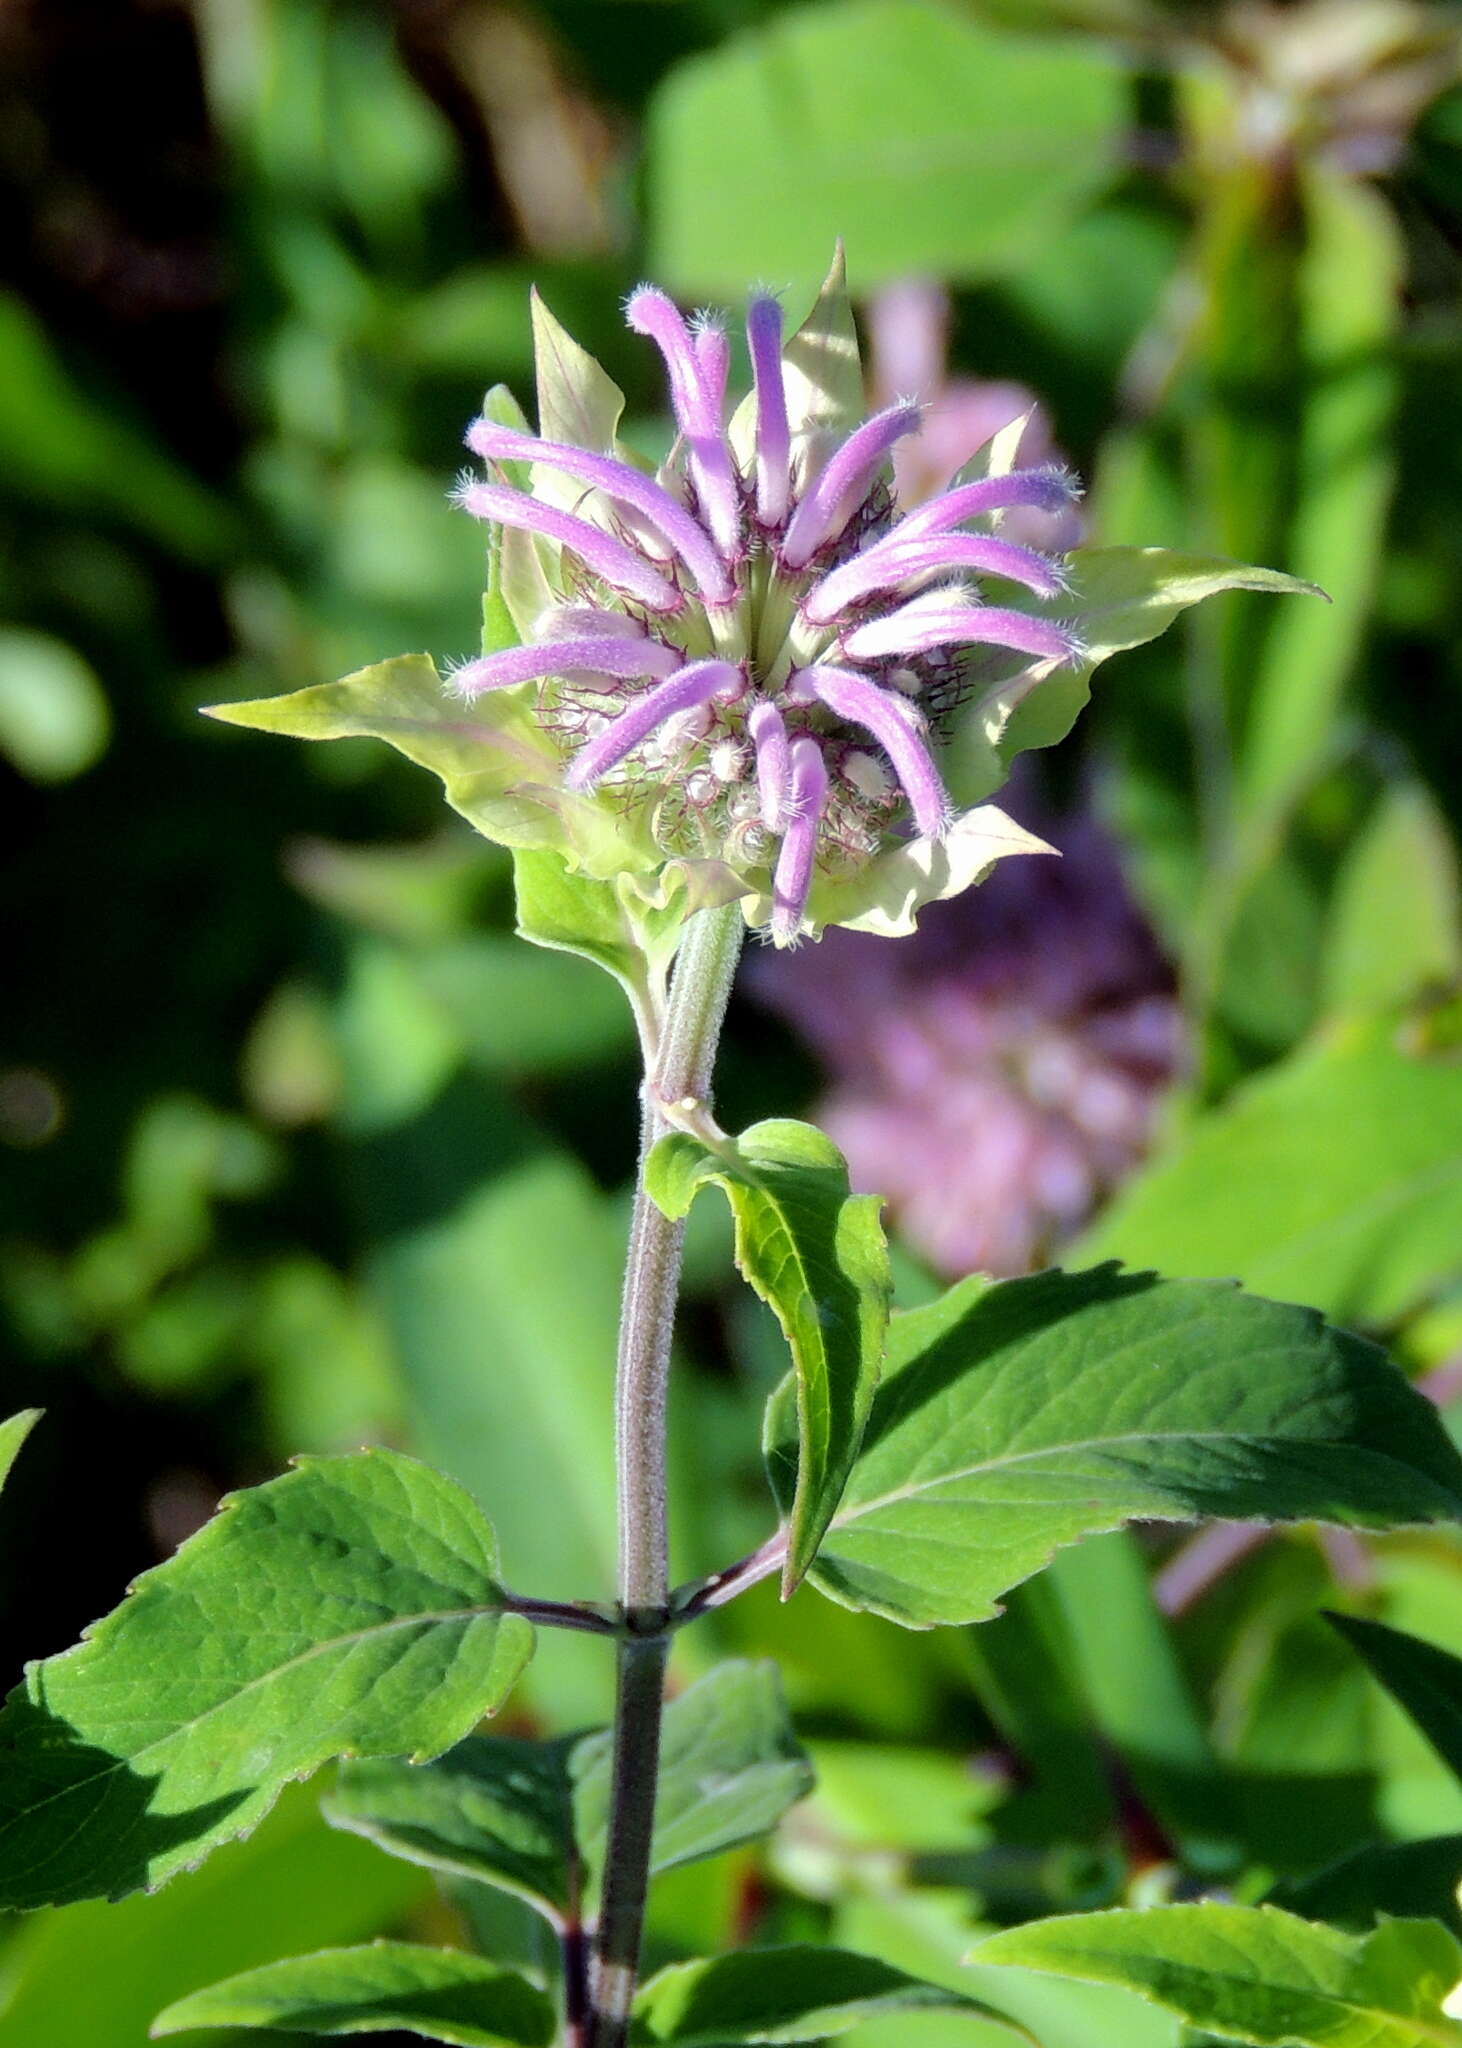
x=754, y=650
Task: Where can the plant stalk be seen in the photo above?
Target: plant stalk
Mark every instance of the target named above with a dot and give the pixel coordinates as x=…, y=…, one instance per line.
x=679, y=1069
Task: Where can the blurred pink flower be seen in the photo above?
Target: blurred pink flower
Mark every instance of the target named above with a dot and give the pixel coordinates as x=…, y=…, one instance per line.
x=996, y=1075
x=908, y=332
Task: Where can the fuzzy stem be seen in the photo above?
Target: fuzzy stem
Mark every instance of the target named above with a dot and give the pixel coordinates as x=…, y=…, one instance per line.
x=680, y=1072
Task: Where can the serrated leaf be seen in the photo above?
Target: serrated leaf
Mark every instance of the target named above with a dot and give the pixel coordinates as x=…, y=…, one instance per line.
x=1335, y=1178
x=350, y=1607
x=1120, y=598
x=815, y=1252
x=1017, y=1418
x=1255, y=1974
x=730, y=1766
x=783, y=1994
x=1426, y=1681
x=440, y=1994
x=493, y=1808
x=13, y=1433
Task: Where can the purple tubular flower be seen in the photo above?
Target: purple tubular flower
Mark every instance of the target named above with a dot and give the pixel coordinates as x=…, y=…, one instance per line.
x=713, y=357
x=773, y=434
x=625, y=567
x=618, y=481
x=773, y=762
x=824, y=510
x=792, y=881
x=889, y=563
x=649, y=312
x=688, y=687
x=1050, y=489
x=939, y=620
x=891, y=722
x=606, y=654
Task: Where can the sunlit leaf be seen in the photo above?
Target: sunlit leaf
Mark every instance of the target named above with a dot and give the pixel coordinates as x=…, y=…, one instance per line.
x=1255, y=1974
x=1015, y=1419
x=350, y=1607
x=815, y=1252
x=440, y=1994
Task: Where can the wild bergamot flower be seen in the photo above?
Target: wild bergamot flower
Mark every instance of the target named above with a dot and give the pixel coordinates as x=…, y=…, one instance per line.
x=749, y=675
x=754, y=645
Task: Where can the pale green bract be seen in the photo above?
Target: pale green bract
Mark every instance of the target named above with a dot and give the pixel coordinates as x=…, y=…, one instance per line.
x=502, y=767
x=815, y=1252
x=1015, y=1419
x=1256, y=1974
x=350, y=1607
x=440, y=1994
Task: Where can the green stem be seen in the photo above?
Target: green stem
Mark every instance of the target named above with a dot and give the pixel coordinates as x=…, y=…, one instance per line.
x=679, y=1072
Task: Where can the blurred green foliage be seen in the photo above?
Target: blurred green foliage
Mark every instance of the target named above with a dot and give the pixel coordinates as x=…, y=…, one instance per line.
x=303, y=1150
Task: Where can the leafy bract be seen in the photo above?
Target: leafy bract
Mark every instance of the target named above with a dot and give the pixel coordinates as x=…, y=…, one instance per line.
x=1255, y=1974
x=1426, y=1680
x=439, y=1993
x=782, y=1994
x=497, y=766
x=1016, y=1418
x=349, y=1607
x=885, y=894
x=730, y=1766
x=815, y=1252
x=1120, y=598
x=1335, y=1179
x=493, y=1808
x=13, y=1433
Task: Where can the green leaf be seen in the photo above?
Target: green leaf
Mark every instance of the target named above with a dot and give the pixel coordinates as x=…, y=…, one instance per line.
x=1405, y=1880
x=493, y=1808
x=782, y=1994
x=1015, y=1419
x=13, y=1433
x=1253, y=1973
x=816, y=1254
x=1120, y=598
x=55, y=721
x=1394, y=925
x=730, y=1766
x=1335, y=1178
x=439, y=1993
x=922, y=136
x=1427, y=1681
x=349, y=1607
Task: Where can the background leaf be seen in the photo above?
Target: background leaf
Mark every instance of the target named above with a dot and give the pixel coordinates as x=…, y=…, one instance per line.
x=730, y=1766
x=815, y=1252
x=914, y=131
x=350, y=1605
x=786, y=1994
x=1334, y=1178
x=1252, y=1973
x=440, y=1994
x=1427, y=1681
x=1014, y=1419
x=493, y=1808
